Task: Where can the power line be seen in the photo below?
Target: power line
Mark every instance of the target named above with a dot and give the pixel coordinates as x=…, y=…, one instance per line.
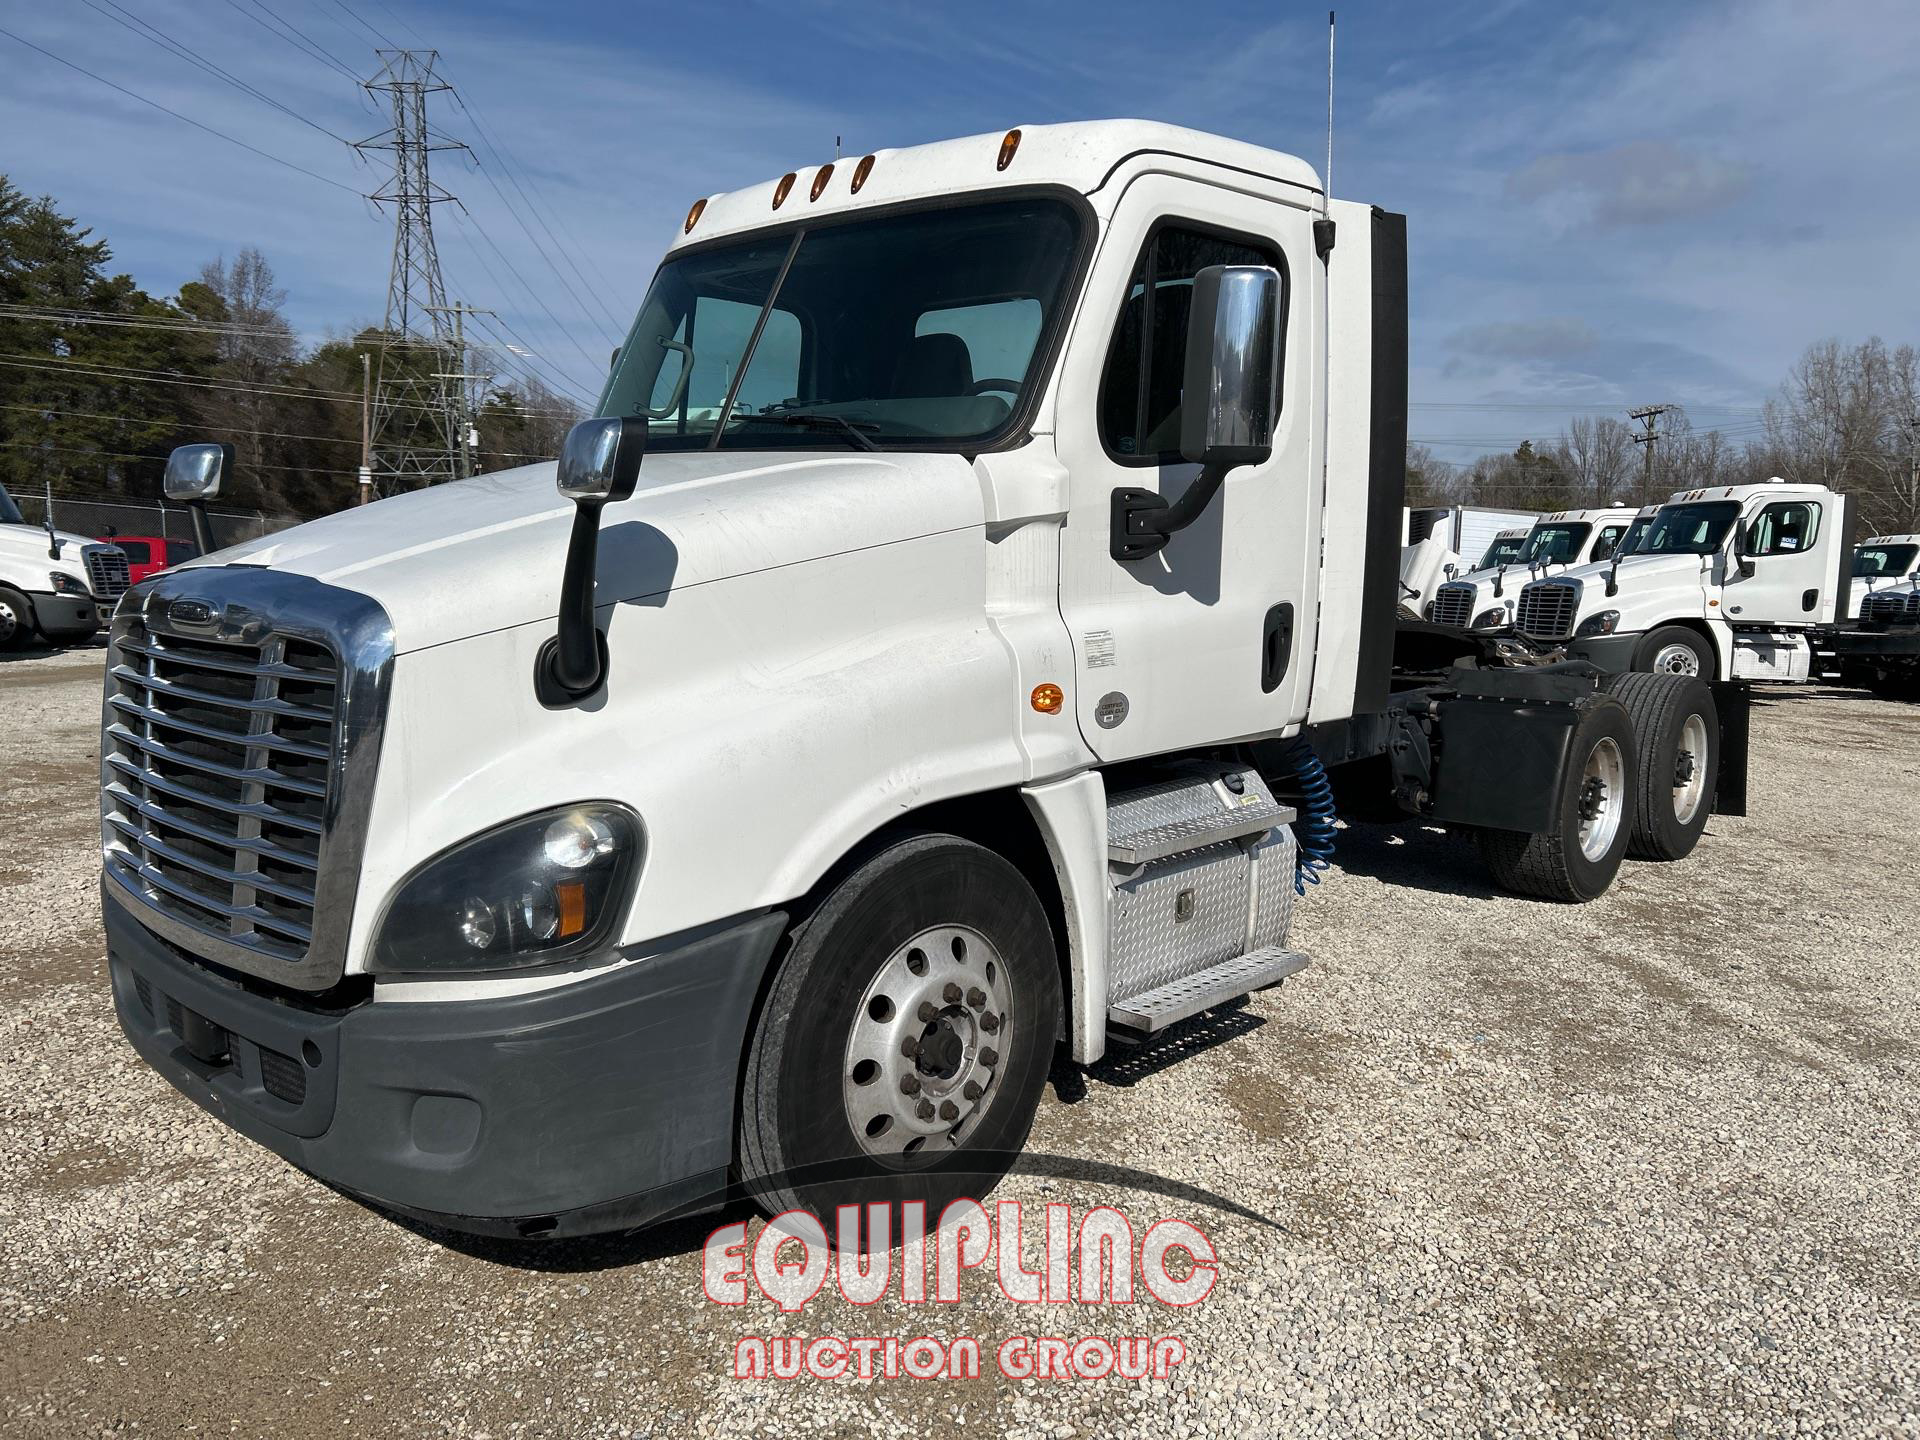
x=295, y=37
x=155, y=104
x=532, y=294
x=378, y=37
x=129, y=21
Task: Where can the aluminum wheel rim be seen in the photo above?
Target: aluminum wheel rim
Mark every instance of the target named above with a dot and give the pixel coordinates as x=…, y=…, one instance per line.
x=1602, y=786
x=1690, y=770
x=926, y=1050
x=9, y=622
x=1676, y=659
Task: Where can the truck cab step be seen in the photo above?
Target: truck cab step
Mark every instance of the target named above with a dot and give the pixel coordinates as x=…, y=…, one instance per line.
x=1154, y=1010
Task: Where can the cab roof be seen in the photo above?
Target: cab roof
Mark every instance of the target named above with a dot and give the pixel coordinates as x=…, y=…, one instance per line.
x=1080, y=156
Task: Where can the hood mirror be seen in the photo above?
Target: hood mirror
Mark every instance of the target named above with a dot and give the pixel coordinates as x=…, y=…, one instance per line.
x=1230, y=401
x=194, y=476
x=599, y=463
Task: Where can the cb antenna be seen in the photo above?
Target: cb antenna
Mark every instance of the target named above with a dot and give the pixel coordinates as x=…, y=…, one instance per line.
x=1323, y=227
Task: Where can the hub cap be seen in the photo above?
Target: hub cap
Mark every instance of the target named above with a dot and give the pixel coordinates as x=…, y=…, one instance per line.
x=1602, y=784
x=1676, y=659
x=1690, y=770
x=9, y=622
x=927, y=1047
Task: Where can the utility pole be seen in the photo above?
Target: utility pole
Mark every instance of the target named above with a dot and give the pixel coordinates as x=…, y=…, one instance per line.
x=462, y=379
x=366, y=427
x=417, y=414
x=1648, y=416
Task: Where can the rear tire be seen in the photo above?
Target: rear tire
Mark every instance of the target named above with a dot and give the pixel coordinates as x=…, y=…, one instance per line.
x=834, y=1110
x=1577, y=859
x=1676, y=727
x=1675, y=650
x=16, y=619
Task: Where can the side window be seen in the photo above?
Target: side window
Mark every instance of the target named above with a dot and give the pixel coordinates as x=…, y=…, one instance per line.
x=1786, y=527
x=1140, y=392
x=137, y=551
x=1608, y=541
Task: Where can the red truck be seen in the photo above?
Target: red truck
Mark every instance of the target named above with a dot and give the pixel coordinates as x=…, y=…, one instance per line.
x=150, y=554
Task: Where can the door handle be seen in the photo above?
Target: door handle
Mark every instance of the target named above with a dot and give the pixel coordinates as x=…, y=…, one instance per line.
x=1276, y=646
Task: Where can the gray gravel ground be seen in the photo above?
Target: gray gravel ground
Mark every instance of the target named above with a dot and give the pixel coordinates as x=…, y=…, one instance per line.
x=1643, y=1167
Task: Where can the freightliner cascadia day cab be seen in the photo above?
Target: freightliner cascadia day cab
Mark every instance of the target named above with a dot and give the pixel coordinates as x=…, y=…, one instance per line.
x=1485, y=598
x=958, y=678
x=55, y=586
x=1884, y=563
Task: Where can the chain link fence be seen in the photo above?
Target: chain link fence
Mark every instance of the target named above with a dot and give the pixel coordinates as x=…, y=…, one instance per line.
x=107, y=518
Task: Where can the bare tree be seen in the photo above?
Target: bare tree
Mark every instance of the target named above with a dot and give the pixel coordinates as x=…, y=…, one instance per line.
x=1430, y=480
x=1845, y=417
x=254, y=347
x=1596, y=457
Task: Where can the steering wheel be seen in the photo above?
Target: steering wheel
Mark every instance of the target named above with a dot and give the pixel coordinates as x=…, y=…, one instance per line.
x=980, y=387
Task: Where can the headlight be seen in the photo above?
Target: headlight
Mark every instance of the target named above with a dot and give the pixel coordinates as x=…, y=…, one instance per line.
x=67, y=585
x=534, y=891
x=1488, y=619
x=1601, y=624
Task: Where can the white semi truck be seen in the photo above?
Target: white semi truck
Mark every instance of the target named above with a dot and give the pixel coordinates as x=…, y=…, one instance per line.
x=1485, y=598
x=57, y=587
x=958, y=678
x=1883, y=563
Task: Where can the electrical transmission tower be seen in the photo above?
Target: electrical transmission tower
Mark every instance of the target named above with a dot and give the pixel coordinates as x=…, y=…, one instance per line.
x=1648, y=416
x=419, y=419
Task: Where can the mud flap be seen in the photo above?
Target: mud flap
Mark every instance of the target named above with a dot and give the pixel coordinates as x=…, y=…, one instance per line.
x=1735, y=702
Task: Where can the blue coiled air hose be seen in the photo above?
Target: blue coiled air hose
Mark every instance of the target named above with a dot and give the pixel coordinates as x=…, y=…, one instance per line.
x=1313, y=831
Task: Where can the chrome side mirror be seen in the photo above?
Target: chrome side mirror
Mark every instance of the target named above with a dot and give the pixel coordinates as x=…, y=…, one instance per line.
x=599, y=463
x=194, y=476
x=1229, y=404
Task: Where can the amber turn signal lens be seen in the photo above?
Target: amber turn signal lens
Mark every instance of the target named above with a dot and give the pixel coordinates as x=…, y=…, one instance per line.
x=861, y=171
x=1048, y=698
x=820, y=182
x=693, y=217
x=570, y=899
x=780, y=190
x=1007, y=147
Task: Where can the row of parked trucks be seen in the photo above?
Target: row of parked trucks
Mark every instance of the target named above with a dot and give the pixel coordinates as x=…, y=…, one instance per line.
x=971, y=673
x=58, y=588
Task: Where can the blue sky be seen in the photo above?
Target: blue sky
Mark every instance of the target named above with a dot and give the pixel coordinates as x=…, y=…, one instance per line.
x=1607, y=204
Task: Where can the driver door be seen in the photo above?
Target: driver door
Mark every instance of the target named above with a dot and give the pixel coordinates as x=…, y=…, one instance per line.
x=1790, y=543
x=1211, y=639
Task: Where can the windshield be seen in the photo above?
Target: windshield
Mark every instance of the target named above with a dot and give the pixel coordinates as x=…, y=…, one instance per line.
x=1635, y=536
x=915, y=330
x=1884, y=559
x=1503, y=551
x=1554, y=544
x=9, y=512
x=1690, y=529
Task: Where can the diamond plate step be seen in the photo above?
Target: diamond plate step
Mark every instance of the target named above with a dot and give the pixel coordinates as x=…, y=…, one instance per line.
x=1160, y=1007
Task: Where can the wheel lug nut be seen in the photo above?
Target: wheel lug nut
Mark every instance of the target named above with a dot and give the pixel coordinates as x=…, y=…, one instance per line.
x=990, y=1057
x=951, y=994
x=989, y=1022
x=910, y=1047
x=909, y=1084
x=927, y=1013
x=971, y=1090
x=976, y=997
x=925, y=1110
x=949, y=1110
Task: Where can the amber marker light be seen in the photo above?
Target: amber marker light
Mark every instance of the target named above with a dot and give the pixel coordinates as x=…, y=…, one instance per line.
x=570, y=900
x=861, y=171
x=1007, y=147
x=820, y=182
x=693, y=217
x=1048, y=698
x=780, y=190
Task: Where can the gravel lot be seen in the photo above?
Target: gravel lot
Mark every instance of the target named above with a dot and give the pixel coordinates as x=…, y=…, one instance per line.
x=1641, y=1167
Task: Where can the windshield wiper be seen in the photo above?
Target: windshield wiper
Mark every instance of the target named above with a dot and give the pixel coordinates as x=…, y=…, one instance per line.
x=813, y=420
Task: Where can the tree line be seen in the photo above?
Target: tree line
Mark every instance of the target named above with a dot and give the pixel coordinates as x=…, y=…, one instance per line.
x=99, y=379
x=1847, y=417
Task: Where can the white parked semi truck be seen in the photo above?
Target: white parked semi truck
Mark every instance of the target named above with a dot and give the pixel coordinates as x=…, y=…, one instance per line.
x=957, y=678
x=1484, y=599
x=1883, y=563
x=56, y=587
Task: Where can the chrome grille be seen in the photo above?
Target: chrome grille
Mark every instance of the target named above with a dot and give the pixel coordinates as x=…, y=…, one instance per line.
x=1890, y=606
x=106, y=570
x=1453, y=605
x=217, y=761
x=1546, y=609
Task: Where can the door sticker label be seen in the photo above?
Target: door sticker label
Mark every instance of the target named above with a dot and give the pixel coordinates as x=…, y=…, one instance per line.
x=1098, y=646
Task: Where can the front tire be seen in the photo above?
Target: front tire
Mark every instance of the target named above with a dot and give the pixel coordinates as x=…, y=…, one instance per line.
x=906, y=1038
x=1577, y=859
x=16, y=619
x=1675, y=650
x=1676, y=727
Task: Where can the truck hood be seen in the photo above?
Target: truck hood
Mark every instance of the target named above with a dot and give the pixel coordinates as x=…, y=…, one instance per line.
x=1635, y=570
x=27, y=544
x=484, y=554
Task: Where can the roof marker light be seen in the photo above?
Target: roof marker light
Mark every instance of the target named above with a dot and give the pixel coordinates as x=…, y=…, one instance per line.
x=1007, y=146
x=820, y=182
x=861, y=171
x=693, y=217
x=780, y=190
